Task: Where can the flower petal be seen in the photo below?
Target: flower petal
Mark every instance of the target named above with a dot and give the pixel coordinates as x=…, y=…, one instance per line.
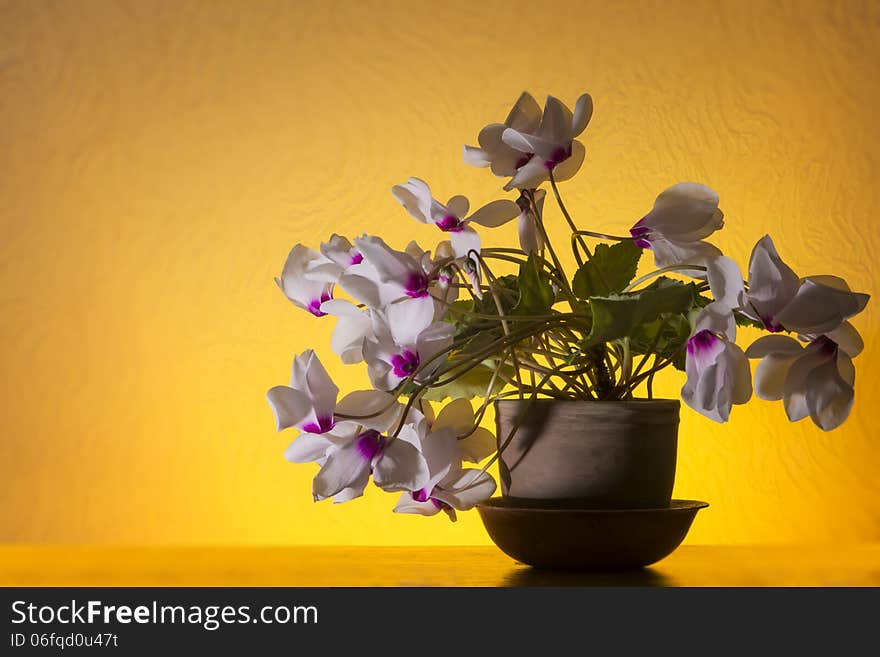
x=570, y=165
x=372, y=409
x=847, y=338
x=458, y=205
x=407, y=319
x=415, y=196
x=464, y=241
x=346, y=467
x=726, y=281
x=556, y=122
x=400, y=467
x=457, y=415
x=406, y=504
x=828, y=396
x=772, y=283
x=476, y=157
x=583, y=112
x=290, y=406
x=525, y=115
x=308, y=447
x=685, y=212
x=770, y=344
x=820, y=305
x=668, y=253
x=529, y=175
x=495, y=213
x=469, y=489
x=770, y=375
x=796, y=389
x=476, y=447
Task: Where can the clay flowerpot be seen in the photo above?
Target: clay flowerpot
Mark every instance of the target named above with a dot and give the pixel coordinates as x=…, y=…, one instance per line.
x=588, y=485
x=589, y=454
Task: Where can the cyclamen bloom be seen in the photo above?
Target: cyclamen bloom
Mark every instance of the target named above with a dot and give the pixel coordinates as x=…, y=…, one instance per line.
x=339, y=256
x=683, y=215
x=816, y=381
x=492, y=152
x=306, y=293
x=350, y=461
x=415, y=196
x=445, y=443
x=310, y=400
x=401, y=343
x=811, y=306
x=718, y=373
x=552, y=145
x=530, y=238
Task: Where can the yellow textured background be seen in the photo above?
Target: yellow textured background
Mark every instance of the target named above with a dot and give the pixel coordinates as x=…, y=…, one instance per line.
x=159, y=159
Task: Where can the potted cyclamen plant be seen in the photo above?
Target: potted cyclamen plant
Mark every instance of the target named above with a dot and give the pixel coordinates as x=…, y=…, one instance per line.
x=567, y=361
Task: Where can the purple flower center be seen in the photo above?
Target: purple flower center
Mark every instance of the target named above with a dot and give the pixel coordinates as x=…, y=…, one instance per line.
x=404, y=363
x=827, y=346
x=770, y=325
x=640, y=233
x=558, y=157
x=356, y=258
x=315, y=304
x=450, y=224
x=422, y=495
x=324, y=424
x=416, y=285
x=702, y=342
x=524, y=160
x=369, y=444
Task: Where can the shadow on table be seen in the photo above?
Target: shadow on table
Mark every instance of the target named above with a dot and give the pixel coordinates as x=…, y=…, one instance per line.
x=528, y=576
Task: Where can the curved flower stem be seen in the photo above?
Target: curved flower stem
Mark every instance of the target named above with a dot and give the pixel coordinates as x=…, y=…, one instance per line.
x=570, y=221
x=603, y=236
x=539, y=222
x=662, y=270
x=519, y=418
x=650, y=349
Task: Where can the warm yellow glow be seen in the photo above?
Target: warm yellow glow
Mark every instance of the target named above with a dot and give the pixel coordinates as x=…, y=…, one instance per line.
x=160, y=161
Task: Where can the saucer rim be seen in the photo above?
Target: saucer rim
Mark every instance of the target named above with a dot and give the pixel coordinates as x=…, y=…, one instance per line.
x=684, y=506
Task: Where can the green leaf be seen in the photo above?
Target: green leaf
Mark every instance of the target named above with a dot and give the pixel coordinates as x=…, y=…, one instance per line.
x=536, y=295
x=470, y=385
x=609, y=270
x=620, y=315
x=665, y=336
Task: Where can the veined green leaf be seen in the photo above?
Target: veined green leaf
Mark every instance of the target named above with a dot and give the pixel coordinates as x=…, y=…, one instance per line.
x=536, y=295
x=620, y=315
x=610, y=269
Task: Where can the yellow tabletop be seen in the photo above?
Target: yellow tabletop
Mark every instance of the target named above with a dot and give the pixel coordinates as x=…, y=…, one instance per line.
x=695, y=565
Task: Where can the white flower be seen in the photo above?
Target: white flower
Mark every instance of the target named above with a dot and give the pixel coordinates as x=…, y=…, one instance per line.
x=353, y=326
x=816, y=381
x=309, y=402
x=402, y=340
x=415, y=196
x=530, y=238
x=681, y=218
x=387, y=276
x=339, y=257
x=551, y=146
x=812, y=306
x=305, y=292
x=445, y=443
x=354, y=447
x=504, y=160
x=718, y=373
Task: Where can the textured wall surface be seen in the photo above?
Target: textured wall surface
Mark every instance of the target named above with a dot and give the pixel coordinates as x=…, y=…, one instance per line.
x=159, y=159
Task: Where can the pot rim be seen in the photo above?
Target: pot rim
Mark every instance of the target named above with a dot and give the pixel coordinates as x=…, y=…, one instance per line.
x=621, y=403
